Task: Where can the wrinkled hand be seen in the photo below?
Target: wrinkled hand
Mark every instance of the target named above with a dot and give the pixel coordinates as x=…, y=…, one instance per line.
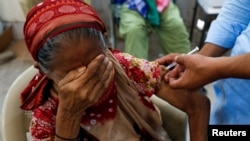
x=84, y=86
x=192, y=71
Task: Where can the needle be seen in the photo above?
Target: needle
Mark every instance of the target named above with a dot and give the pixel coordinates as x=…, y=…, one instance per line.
x=169, y=67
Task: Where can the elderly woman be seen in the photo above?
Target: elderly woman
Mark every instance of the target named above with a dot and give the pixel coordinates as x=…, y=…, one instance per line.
x=85, y=91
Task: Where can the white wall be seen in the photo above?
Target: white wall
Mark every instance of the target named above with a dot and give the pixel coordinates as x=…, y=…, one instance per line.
x=11, y=11
x=12, y=14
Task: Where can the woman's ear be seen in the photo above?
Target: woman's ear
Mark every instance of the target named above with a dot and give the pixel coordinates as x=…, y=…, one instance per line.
x=36, y=65
x=105, y=35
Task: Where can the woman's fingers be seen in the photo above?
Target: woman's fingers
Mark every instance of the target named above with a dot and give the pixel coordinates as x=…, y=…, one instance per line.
x=94, y=91
x=76, y=73
x=72, y=75
x=95, y=68
x=87, y=84
x=98, y=84
x=107, y=75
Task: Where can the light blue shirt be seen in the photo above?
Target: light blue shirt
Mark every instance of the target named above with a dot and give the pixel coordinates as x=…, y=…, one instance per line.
x=231, y=30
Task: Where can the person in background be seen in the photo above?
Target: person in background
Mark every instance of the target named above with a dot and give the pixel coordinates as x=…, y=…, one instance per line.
x=86, y=91
x=26, y=5
x=229, y=32
x=138, y=17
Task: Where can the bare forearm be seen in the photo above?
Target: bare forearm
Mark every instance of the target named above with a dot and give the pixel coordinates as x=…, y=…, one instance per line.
x=237, y=66
x=212, y=50
x=198, y=130
x=199, y=118
x=67, y=126
x=193, y=103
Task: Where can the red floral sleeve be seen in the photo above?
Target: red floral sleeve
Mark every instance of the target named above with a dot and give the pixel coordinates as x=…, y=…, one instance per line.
x=145, y=74
x=43, y=121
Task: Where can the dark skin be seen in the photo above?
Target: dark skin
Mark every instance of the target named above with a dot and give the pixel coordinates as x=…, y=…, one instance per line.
x=79, y=82
x=193, y=103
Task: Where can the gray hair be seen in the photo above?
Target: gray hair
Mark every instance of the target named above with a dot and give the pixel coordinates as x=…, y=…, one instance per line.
x=56, y=44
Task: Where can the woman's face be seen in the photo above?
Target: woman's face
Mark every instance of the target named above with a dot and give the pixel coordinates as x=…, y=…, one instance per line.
x=73, y=56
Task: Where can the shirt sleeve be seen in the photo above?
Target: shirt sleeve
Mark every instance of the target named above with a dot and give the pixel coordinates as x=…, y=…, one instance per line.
x=231, y=21
x=144, y=74
x=42, y=126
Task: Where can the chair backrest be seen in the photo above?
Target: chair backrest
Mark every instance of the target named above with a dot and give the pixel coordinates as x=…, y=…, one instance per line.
x=14, y=127
x=15, y=123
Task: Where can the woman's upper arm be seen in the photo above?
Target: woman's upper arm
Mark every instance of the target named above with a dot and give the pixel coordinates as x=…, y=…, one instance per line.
x=144, y=74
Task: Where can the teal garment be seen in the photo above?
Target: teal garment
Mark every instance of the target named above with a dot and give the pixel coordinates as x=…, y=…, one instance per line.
x=153, y=15
x=172, y=33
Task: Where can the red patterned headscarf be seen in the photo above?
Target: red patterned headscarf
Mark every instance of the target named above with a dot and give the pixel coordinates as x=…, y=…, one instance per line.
x=51, y=17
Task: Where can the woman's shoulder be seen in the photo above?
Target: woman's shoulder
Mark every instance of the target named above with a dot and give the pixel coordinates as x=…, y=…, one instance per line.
x=128, y=60
x=145, y=74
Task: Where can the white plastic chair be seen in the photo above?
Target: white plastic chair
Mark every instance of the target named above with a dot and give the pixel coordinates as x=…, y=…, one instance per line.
x=15, y=123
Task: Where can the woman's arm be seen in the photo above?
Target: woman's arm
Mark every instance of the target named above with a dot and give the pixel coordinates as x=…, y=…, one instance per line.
x=196, y=105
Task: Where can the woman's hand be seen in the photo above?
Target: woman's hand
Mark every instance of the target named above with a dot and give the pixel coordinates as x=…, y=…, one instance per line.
x=83, y=87
x=77, y=91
